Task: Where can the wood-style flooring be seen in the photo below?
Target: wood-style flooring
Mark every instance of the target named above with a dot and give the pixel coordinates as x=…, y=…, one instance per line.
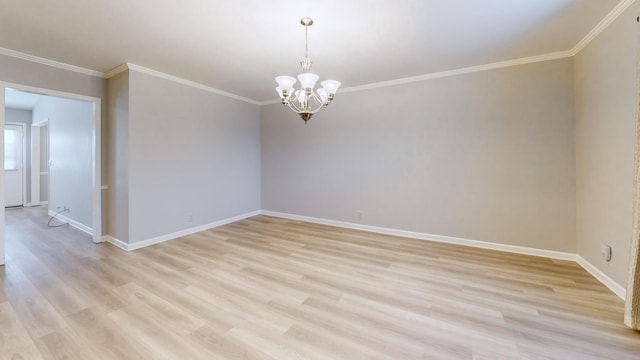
x=269, y=288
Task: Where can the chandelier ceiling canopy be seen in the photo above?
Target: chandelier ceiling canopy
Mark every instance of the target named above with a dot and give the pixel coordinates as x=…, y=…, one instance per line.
x=306, y=101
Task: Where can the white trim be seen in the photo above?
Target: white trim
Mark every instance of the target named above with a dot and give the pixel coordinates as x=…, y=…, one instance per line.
x=161, y=75
x=97, y=171
x=118, y=243
x=455, y=72
x=50, y=92
x=34, y=186
x=430, y=237
x=602, y=277
x=42, y=123
x=75, y=224
x=610, y=18
x=602, y=25
x=597, y=274
x=46, y=202
x=162, y=238
x=466, y=70
x=115, y=71
x=591, y=269
x=2, y=227
x=52, y=63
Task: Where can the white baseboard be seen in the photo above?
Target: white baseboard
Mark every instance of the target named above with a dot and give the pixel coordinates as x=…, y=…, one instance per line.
x=159, y=239
x=44, y=202
x=602, y=277
x=118, y=243
x=590, y=268
x=72, y=222
x=423, y=236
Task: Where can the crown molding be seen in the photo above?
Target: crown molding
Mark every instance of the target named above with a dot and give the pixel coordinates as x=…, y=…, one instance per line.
x=442, y=74
x=466, y=70
x=52, y=63
x=116, y=70
x=610, y=18
x=161, y=75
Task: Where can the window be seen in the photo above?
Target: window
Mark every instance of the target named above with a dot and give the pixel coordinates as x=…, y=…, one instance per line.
x=11, y=151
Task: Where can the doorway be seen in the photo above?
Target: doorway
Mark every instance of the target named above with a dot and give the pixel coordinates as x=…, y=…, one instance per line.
x=77, y=148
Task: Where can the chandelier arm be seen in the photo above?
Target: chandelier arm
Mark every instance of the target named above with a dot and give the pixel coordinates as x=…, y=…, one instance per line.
x=317, y=99
x=294, y=107
x=298, y=109
x=318, y=104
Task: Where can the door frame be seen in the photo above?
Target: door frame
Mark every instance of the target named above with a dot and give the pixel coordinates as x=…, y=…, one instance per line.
x=96, y=163
x=24, y=158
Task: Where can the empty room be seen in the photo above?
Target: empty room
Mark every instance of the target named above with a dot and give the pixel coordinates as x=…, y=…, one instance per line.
x=320, y=180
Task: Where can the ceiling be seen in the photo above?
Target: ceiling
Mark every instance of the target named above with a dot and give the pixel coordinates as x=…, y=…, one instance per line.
x=240, y=46
x=21, y=100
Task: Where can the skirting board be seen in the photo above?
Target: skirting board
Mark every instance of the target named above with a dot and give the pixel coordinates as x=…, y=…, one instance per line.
x=72, y=222
x=437, y=238
x=599, y=275
x=602, y=277
x=156, y=240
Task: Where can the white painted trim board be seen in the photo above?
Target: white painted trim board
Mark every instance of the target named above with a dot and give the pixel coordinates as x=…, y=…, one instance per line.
x=602, y=277
x=71, y=222
x=590, y=268
x=429, y=237
x=178, y=234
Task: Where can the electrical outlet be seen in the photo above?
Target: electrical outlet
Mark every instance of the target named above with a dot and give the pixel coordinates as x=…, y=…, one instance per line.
x=606, y=252
x=66, y=208
x=190, y=218
x=359, y=215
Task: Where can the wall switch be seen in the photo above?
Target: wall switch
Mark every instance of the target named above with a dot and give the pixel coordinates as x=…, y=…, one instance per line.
x=606, y=252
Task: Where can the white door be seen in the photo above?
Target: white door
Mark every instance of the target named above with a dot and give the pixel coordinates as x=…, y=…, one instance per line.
x=13, y=165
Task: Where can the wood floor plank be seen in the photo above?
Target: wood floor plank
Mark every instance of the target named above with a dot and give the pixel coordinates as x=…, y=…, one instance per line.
x=266, y=288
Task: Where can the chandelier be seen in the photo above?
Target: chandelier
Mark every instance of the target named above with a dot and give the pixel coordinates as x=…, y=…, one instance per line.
x=306, y=101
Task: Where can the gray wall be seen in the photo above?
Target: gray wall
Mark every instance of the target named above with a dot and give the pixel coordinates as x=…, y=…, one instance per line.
x=606, y=104
x=116, y=222
x=23, y=117
x=71, y=128
x=485, y=156
x=192, y=155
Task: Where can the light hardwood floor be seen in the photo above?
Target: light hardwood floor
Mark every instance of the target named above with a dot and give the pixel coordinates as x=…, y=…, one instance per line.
x=268, y=288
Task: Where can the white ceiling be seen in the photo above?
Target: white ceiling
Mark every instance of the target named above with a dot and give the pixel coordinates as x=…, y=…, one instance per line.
x=16, y=99
x=240, y=46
